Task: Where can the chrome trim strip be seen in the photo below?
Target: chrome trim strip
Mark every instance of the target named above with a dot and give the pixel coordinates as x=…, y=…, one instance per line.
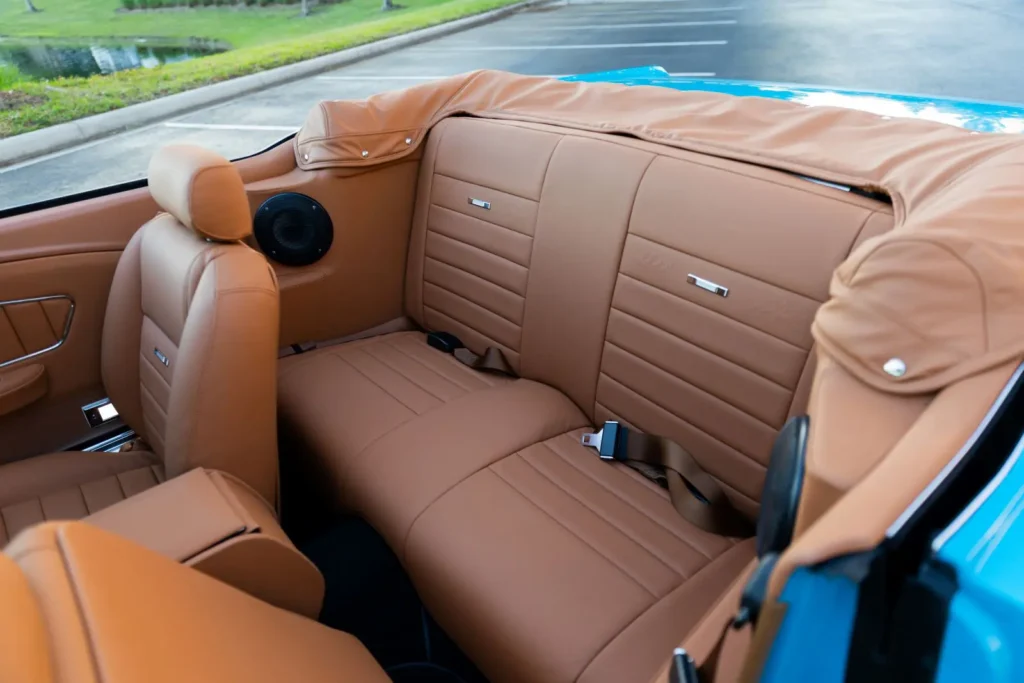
x=819, y=181
x=64, y=335
x=905, y=516
x=707, y=285
x=118, y=439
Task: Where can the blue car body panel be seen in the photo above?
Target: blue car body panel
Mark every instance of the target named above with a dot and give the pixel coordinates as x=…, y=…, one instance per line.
x=984, y=634
x=985, y=117
x=985, y=545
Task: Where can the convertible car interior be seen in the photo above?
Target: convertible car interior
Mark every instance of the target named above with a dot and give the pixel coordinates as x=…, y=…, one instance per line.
x=496, y=378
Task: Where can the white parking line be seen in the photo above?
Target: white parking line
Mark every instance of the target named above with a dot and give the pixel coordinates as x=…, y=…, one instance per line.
x=228, y=126
x=609, y=27
x=602, y=46
x=680, y=10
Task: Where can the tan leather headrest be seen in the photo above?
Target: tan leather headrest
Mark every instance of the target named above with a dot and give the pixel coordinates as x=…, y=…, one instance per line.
x=202, y=190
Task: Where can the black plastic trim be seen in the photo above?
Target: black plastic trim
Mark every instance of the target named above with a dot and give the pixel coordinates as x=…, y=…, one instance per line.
x=108, y=190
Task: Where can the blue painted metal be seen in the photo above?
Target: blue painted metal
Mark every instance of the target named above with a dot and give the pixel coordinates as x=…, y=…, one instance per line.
x=813, y=639
x=985, y=635
x=986, y=117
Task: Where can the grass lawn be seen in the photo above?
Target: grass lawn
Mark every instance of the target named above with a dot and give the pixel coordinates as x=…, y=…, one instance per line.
x=263, y=38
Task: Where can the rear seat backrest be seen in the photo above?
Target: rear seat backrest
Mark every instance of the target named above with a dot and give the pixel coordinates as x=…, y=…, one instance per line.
x=473, y=262
x=578, y=272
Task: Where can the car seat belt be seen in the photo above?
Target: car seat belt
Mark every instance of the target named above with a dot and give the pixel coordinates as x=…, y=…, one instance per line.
x=695, y=494
x=492, y=360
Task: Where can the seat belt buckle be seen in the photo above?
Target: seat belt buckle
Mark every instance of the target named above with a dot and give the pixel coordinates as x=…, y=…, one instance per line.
x=445, y=342
x=609, y=441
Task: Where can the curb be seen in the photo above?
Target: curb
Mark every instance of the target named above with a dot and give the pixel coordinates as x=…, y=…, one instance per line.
x=74, y=133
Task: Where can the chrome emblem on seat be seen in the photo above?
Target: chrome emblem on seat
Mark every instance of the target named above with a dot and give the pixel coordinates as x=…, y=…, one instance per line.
x=162, y=358
x=707, y=284
x=480, y=203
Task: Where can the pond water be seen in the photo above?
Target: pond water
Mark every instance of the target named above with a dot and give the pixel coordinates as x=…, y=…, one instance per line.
x=42, y=59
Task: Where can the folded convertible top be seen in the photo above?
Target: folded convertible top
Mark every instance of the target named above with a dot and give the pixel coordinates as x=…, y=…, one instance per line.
x=942, y=294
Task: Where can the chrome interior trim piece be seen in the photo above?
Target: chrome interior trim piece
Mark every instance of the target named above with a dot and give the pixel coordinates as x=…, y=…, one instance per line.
x=480, y=203
x=112, y=444
x=708, y=285
x=64, y=335
x=834, y=186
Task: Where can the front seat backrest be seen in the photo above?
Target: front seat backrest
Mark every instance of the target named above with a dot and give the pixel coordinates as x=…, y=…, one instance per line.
x=189, y=351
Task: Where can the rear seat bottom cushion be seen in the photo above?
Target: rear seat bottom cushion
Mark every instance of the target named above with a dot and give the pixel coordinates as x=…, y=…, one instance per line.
x=551, y=566
x=340, y=399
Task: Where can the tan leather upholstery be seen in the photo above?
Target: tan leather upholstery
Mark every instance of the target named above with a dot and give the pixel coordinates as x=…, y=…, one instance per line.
x=201, y=190
x=70, y=486
x=80, y=607
x=213, y=522
x=210, y=310
x=544, y=563
x=188, y=355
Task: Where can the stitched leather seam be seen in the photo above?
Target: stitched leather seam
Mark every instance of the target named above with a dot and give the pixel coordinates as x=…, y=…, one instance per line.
x=653, y=552
x=149, y=393
x=407, y=378
x=582, y=540
x=451, y=317
x=771, y=430
x=145, y=359
x=632, y=505
x=376, y=384
x=709, y=310
x=742, y=455
x=471, y=273
x=729, y=268
x=687, y=342
x=706, y=568
x=695, y=156
x=469, y=301
x=458, y=368
x=504, y=228
x=712, y=398
x=65, y=561
x=482, y=250
x=496, y=189
x=475, y=277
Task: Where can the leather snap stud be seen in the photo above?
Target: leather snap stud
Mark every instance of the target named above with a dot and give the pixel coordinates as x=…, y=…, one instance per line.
x=365, y=154
x=895, y=367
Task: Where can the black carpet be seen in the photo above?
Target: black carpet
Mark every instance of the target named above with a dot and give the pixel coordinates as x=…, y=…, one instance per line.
x=370, y=596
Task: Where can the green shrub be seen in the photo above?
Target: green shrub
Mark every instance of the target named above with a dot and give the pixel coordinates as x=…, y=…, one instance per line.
x=9, y=77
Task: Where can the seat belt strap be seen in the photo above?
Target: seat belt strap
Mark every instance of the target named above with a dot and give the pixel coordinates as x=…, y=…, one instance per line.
x=695, y=494
x=492, y=360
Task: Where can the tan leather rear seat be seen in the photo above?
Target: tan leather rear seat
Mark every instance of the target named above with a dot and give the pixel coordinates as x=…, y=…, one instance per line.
x=543, y=562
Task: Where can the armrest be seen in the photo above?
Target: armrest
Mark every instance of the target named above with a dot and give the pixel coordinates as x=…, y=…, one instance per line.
x=215, y=523
x=82, y=605
x=20, y=386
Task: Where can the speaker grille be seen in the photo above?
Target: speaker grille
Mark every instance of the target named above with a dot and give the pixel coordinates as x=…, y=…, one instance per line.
x=293, y=229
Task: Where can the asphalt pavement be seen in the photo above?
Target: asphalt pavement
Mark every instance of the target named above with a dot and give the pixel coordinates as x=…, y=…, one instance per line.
x=954, y=48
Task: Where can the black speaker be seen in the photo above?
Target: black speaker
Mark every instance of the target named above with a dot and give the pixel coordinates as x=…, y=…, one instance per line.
x=293, y=229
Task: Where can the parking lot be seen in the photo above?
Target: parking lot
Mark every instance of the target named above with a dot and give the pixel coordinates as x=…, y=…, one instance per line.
x=916, y=46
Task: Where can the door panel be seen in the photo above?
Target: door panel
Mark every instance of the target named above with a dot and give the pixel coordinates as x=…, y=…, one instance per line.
x=56, y=266
x=31, y=327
